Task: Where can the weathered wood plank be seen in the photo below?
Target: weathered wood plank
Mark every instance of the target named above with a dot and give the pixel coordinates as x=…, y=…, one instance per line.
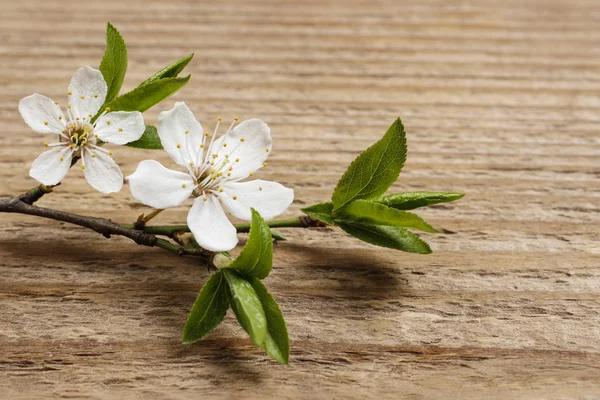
x=500, y=101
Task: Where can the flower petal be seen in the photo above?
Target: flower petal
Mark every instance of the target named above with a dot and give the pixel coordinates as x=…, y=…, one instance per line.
x=250, y=142
x=268, y=198
x=51, y=166
x=210, y=226
x=120, y=127
x=87, y=92
x=159, y=187
x=101, y=171
x=172, y=127
x=42, y=114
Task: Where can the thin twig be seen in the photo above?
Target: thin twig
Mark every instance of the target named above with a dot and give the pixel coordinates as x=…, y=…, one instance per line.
x=23, y=204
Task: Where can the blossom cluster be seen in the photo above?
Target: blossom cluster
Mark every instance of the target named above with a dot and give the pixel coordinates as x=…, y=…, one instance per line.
x=215, y=167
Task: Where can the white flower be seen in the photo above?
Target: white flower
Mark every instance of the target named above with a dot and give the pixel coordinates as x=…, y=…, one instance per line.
x=213, y=179
x=77, y=135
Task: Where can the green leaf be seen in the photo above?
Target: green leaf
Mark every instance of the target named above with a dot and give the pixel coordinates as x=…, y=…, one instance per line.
x=114, y=63
x=145, y=96
x=256, y=258
x=320, y=211
x=388, y=236
x=170, y=71
x=372, y=172
x=367, y=212
x=277, y=344
x=412, y=200
x=209, y=309
x=247, y=306
x=149, y=140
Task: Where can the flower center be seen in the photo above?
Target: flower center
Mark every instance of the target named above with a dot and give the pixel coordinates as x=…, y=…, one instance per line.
x=79, y=134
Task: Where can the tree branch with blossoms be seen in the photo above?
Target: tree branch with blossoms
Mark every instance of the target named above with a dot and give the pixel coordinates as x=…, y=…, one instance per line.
x=217, y=171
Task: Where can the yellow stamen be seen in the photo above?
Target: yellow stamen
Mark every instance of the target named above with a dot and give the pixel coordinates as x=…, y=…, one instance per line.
x=60, y=117
x=82, y=97
x=120, y=129
x=178, y=146
x=242, y=139
x=191, y=164
x=234, y=197
x=93, y=155
x=70, y=93
x=219, y=119
x=224, y=144
x=56, y=102
x=212, y=163
x=206, y=134
x=202, y=146
x=187, y=131
x=205, y=198
x=46, y=144
x=237, y=160
x=107, y=122
x=264, y=164
x=251, y=173
x=69, y=105
x=95, y=96
x=236, y=118
x=83, y=167
x=110, y=153
x=183, y=185
x=221, y=190
x=107, y=109
x=45, y=122
x=229, y=174
x=62, y=159
x=267, y=149
x=260, y=188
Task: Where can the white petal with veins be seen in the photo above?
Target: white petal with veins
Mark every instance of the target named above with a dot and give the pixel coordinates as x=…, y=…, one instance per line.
x=120, y=127
x=270, y=199
x=210, y=226
x=51, y=166
x=250, y=142
x=42, y=114
x=87, y=92
x=172, y=127
x=159, y=187
x=101, y=171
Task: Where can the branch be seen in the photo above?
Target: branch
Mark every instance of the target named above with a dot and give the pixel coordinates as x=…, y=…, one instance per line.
x=23, y=204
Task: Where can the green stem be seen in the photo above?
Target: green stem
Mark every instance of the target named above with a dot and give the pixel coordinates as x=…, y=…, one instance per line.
x=170, y=230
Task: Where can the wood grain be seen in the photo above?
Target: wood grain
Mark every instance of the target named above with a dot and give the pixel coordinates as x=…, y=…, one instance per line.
x=501, y=100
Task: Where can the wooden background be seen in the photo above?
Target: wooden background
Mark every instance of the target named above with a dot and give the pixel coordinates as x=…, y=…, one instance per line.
x=500, y=101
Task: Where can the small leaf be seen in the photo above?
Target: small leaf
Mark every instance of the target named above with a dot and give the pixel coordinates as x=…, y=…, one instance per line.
x=388, y=236
x=412, y=200
x=247, y=306
x=363, y=211
x=149, y=140
x=145, y=96
x=208, y=310
x=372, y=172
x=114, y=63
x=277, y=344
x=320, y=211
x=170, y=71
x=256, y=258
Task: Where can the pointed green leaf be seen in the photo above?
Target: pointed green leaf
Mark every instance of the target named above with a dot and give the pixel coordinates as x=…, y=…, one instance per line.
x=256, y=258
x=388, y=236
x=247, y=306
x=145, y=96
x=114, y=63
x=372, y=172
x=170, y=71
x=209, y=309
x=412, y=200
x=149, y=140
x=277, y=344
x=364, y=211
x=320, y=211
